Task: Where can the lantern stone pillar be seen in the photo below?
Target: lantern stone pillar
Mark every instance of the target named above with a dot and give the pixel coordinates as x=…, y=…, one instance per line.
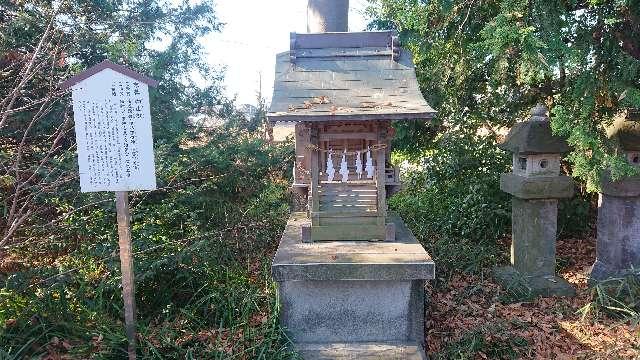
x=618, y=243
x=536, y=186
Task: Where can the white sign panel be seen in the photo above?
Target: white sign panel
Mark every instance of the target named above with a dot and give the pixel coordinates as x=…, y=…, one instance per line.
x=113, y=132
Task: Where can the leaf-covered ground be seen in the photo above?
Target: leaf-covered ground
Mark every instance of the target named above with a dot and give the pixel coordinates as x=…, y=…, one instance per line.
x=472, y=317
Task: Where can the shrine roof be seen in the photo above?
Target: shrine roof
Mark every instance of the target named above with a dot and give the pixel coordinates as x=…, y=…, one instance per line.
x=106, y=64
x=346, y=76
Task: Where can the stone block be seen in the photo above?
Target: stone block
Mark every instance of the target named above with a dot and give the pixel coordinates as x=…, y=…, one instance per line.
x=353, y=299
x=533, y=245
x=549, y=187
x=352, y=311
x=305, y=233
x=533, y=251
x=402, y=259
x=628, y=187
x=548, y=285
x=618, y=243
x=361, y=351
x=390, y=232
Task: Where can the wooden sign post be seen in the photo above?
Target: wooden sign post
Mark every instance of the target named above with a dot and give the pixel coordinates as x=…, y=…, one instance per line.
x=115, y=152
x=126, y=265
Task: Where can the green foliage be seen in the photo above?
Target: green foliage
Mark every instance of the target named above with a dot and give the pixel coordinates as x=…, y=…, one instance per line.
x=493, y=342
x=454, y=204
x=482, y=65
x=412, y=138
x=617, y=298
x=42, y=43
x=575, y=215
x=202, y=243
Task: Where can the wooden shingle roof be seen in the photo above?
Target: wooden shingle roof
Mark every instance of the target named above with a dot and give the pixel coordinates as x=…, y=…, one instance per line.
x=346, y=76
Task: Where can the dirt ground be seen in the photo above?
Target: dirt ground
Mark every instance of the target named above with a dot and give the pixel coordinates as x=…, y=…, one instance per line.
x=471, y=312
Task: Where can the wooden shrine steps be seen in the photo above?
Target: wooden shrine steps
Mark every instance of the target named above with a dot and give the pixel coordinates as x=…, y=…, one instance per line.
x=348, y=211
x=354, y=197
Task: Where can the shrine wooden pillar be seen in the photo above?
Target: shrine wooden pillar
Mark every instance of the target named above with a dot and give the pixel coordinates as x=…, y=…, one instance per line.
x=314, y=186
x=381, y=173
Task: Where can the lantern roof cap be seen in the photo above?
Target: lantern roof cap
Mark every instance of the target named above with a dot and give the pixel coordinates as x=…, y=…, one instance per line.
x=626, y=130
x=346, y=76
x=534, y=136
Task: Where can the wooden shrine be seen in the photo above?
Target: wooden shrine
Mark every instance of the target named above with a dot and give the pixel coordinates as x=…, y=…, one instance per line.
x=342, y=297
x=343, y=89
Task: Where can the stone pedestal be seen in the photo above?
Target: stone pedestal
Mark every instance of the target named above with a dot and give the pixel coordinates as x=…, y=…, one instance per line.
x=618, y=243
x=534, y=218
x=353, y=299
x=535, y=224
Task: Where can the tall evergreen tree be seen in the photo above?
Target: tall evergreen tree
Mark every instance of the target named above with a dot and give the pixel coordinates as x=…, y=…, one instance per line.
x=43, y=42
x=484, y=64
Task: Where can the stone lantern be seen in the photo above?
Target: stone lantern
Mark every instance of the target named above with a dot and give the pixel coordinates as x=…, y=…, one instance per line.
x=618, y=244
x=536, y=186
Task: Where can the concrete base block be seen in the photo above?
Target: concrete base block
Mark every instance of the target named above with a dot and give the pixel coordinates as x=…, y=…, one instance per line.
x=353, y=299
x=545, y=286
x=305, y=233
x=530, y=188
x=618, y=243
x=533, y=245
x=390, y=232
x=351, y=311
x=364, y=351
x=627, y=187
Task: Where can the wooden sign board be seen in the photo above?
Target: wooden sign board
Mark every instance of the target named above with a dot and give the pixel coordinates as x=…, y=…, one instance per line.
x=113, y=132
x=115, y=153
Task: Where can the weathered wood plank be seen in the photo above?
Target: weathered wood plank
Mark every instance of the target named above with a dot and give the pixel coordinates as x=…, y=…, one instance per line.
x=342, y=40
x=381, y=177
x=338, y=206
x=342, y=52
x=332, y=99
x=346, y=232
x=342, y=65
x=318, y=117
x=353, y=89
x=347, y=198
x=344, y=213
x=347, y=135
x=313, y=156
x=337, y=189
x=358, y=85
x=303, y=163
x=347, y=77
x=362, y=220
x=126, y=266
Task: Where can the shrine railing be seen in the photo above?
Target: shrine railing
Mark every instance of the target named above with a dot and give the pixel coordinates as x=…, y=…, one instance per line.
x=352, y=167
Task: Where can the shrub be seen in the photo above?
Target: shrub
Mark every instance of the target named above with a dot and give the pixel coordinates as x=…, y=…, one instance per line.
x=453, y=202
x=202, y=248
